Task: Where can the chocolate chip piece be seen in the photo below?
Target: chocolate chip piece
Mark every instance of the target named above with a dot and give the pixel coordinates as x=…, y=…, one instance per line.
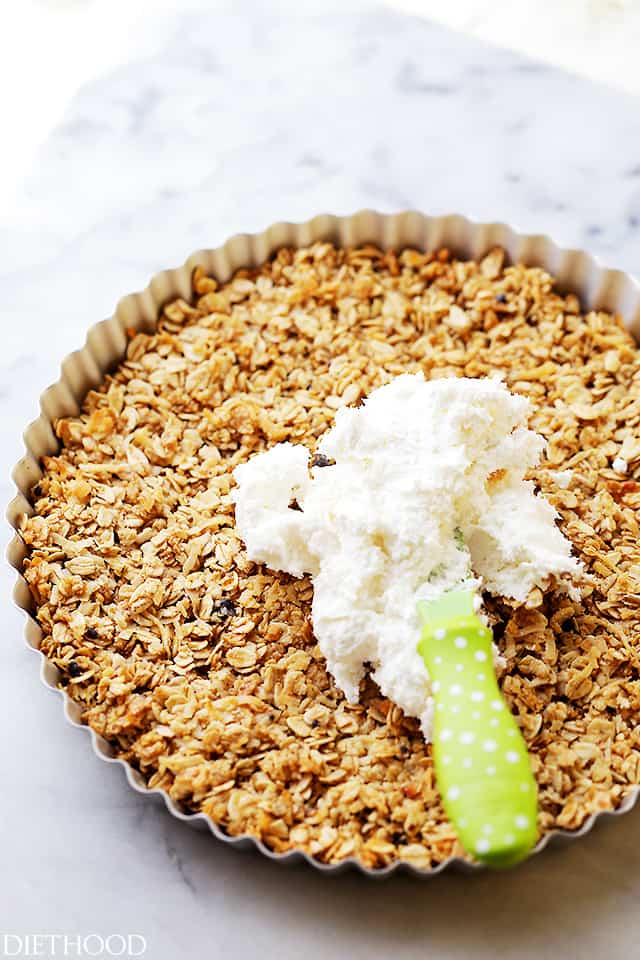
x=294, y=505
x=92, y=633
x=37, y=490
x=315, y=723
x=75, y=669
x=321, y=461
x=224, y=609
x=501, y=297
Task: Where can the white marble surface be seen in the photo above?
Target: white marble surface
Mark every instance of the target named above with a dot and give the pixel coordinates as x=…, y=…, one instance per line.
x=595, y=38
x=251, y=112
x=75, y=41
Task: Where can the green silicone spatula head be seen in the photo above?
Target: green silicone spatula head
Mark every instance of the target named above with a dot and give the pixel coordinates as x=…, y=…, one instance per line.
x=480, y=757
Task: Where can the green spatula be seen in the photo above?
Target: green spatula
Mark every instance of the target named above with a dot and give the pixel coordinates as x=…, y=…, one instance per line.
x=480, y=757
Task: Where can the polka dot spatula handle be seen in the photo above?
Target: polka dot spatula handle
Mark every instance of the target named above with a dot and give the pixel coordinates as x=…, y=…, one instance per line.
x=480, y=757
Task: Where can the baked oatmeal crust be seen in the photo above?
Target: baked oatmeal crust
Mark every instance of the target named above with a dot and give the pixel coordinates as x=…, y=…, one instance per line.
x=200, y=667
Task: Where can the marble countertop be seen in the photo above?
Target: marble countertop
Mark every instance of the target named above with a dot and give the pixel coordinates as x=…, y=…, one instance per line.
x=595, y=38
x=247, y=113
x=74, y=41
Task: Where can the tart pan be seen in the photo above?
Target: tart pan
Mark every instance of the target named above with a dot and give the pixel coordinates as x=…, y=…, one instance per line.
x=574, y=270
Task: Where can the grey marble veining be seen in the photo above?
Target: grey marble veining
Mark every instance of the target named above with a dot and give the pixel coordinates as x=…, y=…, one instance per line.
x=249, y=113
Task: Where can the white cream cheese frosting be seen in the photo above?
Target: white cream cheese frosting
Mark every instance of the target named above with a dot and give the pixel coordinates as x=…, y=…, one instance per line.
x=426, y=493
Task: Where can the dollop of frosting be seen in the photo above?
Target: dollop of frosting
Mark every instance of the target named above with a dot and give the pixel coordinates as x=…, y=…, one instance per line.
x=419, y=490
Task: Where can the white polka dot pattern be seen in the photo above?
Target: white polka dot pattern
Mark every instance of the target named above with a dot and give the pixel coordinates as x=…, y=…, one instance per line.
x=481, y=762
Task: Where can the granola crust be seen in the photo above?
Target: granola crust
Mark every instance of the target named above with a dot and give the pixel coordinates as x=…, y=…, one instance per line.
x=200, y=667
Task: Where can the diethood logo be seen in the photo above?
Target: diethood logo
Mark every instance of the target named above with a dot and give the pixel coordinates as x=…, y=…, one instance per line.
x=72, y=945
